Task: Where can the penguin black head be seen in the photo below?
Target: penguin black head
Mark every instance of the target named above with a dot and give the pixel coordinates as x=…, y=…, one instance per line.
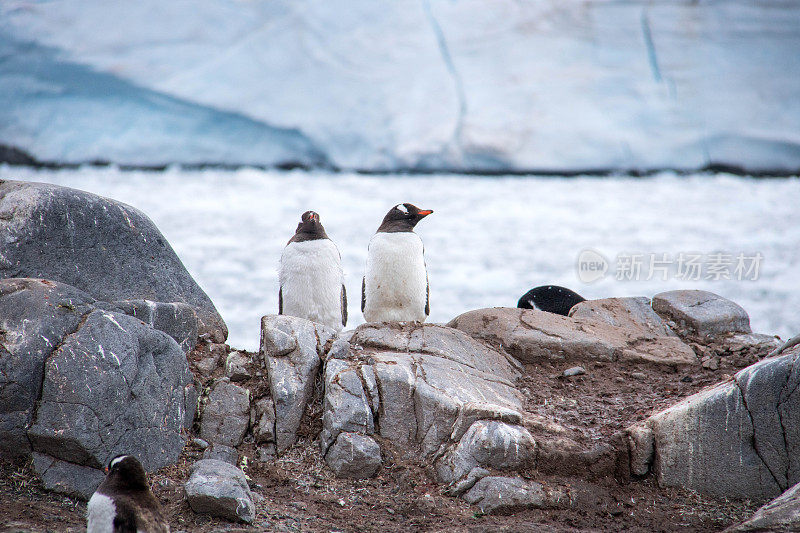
x=550, y=298
x=402, y=217
x=126, y=472
x=309, y=228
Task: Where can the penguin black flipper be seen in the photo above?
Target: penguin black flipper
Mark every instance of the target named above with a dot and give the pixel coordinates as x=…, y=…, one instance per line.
x=125, y=520
x=344, y=306
x=363, y=293
x=427, y=296
x=280, y=301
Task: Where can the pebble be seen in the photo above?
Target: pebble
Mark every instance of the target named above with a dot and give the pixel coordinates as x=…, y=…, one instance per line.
x=200, y=443
x=574, y=371
x=638, y=375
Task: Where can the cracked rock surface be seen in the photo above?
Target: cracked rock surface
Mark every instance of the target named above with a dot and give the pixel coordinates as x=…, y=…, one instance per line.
x=613, y=329
x=82, y=384
x=702, y=313
x=739, y=439
x=291, y=349
x=106, y=248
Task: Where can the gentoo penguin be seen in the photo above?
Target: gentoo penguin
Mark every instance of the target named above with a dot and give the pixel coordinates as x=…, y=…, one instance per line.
x=311, y=277
x=123, y=503
x=550, y=298
x=395, y=286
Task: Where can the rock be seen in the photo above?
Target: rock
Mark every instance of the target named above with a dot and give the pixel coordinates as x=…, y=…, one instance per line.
x=106, y=248
x=226, y=415
x=701, y=313
x=291, y=348
x=345, y=407
x=496, y=494
x=81, y=384
x=468, y=481
x=178, y=320
x=487, y=443
x=114, y=386
x=737, y=440
x=354, y=456
x=35, y=317
x=222, y=453
x=67, y=478
x=573, y=371
x=781, y=514
x=602, y=330
x=236, y=366
x=264, y=421
x=200, y=443
x=640, y=448
x=219, y=489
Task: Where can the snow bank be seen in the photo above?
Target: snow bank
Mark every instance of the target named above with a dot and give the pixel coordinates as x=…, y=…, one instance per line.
x=558, y=85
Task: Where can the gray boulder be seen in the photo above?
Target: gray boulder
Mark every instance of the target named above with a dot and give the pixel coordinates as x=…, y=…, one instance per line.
x=74, y=480
x=237, y=366
x=496, y=495
x=178, y=320
x=223, y=453
x=106, y=248
x=35, y=317
x=354, y=456
x=96, y=383
x=220, y=489
x=263, y=420
x=614, y=329
x=226, y=414
x=739, y=439
x=346, y=406
x=291, y=348
x=701, y=313
x=781, y=514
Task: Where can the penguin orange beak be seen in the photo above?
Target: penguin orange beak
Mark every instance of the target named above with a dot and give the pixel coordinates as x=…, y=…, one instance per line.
x=424, y=213
x=105, y=470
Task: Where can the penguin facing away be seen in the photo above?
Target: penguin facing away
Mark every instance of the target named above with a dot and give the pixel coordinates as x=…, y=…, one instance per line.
x=395, y=286
x=550, y=298
x=124, y=503
x=311, y=277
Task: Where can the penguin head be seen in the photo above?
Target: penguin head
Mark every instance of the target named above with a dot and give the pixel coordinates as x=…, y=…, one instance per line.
x=309, y=228
x=403, y=217
x=125, y=471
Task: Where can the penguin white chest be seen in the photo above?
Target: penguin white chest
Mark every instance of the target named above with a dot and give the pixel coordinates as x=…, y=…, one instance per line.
x=100, y=514
x=311, y=280
x=396, y=282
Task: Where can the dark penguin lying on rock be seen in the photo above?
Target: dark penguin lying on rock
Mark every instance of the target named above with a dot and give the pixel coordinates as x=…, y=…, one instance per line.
x=550, y=298
x=123, y=503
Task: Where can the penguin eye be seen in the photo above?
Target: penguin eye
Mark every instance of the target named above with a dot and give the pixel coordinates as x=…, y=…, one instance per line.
x=401, y=208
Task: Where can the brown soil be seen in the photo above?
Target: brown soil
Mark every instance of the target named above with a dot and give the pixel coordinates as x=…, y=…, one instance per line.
x=300, y=494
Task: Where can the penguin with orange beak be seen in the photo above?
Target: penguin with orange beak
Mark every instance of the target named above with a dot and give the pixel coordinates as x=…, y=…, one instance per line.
x=395, y=285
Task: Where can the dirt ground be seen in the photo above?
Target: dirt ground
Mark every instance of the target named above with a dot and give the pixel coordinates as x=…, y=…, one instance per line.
x=298, y=493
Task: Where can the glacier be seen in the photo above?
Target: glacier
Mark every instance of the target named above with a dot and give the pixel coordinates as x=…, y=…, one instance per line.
x=558, y=86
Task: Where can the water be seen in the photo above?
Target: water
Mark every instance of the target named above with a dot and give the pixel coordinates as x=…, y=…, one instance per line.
x=488, y=241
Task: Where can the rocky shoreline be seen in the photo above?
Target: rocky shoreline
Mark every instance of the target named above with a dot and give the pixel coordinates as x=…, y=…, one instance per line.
x=108, y=346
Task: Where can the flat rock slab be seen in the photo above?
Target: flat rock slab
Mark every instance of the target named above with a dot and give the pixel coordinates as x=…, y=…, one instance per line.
x=781, y=514
x=702, y=313
x=428, y=376
x=220, y=489
x=603, y=330
x=740, y=439
x=106, y=248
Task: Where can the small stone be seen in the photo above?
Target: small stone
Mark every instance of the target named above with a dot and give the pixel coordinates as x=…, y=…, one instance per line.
x=200, y=443
x=236, y=366
x=207, y=365
x=220, y=489
x=354, y=456
x=687, y=379
x=711, y=363
x=221, y=452
x=574, y=371
x=638, y=375
x=266, y=453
